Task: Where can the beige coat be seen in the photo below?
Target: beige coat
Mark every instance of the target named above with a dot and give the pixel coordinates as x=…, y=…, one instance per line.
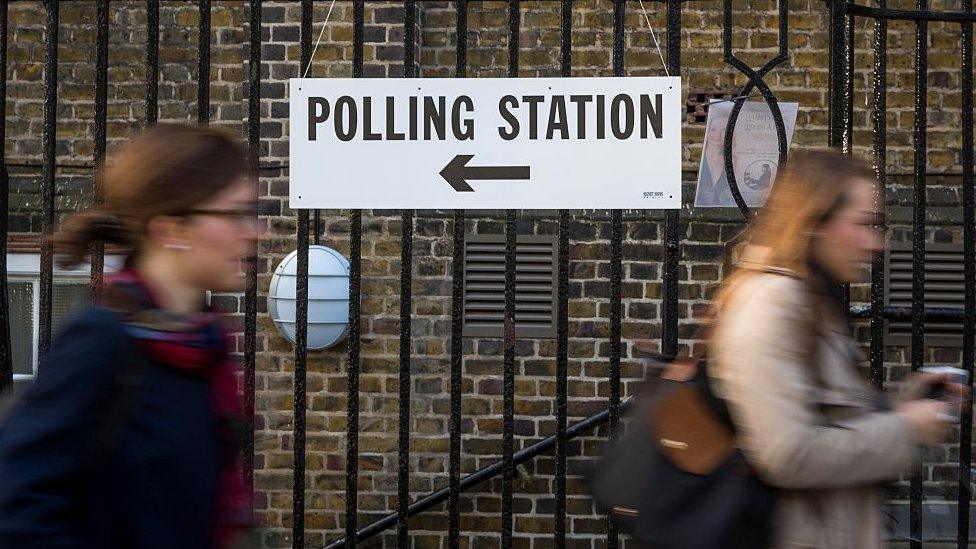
x=826, y=445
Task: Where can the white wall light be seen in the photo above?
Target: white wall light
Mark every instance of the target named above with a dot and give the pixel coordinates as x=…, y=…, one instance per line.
x=328, y=296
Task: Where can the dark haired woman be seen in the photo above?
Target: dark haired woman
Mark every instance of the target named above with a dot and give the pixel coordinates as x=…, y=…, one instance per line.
x=129, y=436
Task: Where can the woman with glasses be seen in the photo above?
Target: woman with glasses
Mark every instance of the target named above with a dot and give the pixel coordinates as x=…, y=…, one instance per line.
x=130, y=435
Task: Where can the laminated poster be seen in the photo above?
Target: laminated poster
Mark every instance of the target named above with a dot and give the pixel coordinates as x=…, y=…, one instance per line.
x=755, y=153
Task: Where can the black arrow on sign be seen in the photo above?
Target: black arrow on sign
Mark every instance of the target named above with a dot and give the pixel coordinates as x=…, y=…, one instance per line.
x=457, y=173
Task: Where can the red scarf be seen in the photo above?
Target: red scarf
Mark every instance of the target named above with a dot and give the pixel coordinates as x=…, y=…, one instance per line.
x=196, y=344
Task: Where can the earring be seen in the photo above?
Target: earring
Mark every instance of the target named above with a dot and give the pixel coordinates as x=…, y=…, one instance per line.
x=181, y=247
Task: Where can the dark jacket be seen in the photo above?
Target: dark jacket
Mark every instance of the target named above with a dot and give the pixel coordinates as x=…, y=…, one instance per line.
x=153, y=486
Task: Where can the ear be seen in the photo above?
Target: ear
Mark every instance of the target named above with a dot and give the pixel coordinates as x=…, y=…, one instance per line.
x=167, y=231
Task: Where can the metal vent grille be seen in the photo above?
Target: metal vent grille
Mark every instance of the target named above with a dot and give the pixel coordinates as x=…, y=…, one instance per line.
x=944, y=287
x=535, y=288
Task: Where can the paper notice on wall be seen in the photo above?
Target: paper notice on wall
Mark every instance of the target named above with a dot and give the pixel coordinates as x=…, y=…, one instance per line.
x=755, y=153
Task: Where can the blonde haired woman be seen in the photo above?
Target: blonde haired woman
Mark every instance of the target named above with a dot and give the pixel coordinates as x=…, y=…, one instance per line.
x=783, y=358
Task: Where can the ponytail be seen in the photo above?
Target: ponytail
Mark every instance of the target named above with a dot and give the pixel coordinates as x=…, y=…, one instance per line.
x=81, y=231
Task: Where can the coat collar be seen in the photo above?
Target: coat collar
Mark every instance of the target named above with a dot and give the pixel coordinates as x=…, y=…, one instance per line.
x=756, y=258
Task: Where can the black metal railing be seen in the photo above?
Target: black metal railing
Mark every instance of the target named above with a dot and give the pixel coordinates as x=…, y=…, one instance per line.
x=842, y=16
x=918, y=313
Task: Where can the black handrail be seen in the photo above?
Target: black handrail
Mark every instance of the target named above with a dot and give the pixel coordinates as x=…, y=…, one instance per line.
x=889, y=14
x=483, y=475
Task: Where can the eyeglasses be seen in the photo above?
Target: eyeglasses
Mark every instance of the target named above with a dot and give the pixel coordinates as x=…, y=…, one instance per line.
x=240, y=215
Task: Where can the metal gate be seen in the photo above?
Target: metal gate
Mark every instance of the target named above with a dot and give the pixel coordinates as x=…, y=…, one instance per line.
x=843, y=15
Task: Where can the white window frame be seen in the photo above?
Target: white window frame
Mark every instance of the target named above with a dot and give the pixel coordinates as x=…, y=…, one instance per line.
x=26, y=267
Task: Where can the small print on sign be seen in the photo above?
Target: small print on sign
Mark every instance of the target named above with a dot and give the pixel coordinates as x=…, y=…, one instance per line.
x=486, y=143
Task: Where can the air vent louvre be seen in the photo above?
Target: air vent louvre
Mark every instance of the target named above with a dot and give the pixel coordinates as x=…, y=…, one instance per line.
x=944, y=287
x=484, y=286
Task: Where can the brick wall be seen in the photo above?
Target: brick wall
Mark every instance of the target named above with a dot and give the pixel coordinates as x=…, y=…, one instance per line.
x=803, y=78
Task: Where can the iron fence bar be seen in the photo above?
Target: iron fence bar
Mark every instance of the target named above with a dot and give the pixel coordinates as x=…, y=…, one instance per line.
x=969, y=269
x=403, y=450
x=848, y=139
x=840, y=91
x=616, y=228
x=301, y=327
x=911, y=15
x=436, y=498
x=352, y=374
x=902, y=314
x=305, y=47
x=918, y=250
x=672, y=250
x=756, y=79
x=301, y=355
x=838, y=55
x=562, y=310
x=355, y=293
x=47, y=182
x=152, y=61
x=508, y=406
x=457, y=317
x=406, y=266
x=203, y=67
x=99, y=137
x=880, y=123
x=251, y=273
x=6, y=363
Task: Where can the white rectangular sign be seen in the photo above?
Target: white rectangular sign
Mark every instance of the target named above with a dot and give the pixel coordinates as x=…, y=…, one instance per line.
x=485, y=143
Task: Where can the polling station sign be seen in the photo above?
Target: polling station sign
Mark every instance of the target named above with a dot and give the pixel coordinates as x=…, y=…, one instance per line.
x=485, y=143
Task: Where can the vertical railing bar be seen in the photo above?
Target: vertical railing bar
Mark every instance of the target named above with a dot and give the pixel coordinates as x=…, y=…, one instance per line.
x=301, y=355
x=880, y=123
x=152, y=61
x=616, y=237
x=562, y=310
x=251, y=265
x=48, y=181
x=918, y=250
x=203, y=67
x=849, y=47
x=672, y=251
x=457, y=317
x=6, y=360
x=838, y=55
x=301, y=329
x=406, y=278
x=100, y=138
x=306, y=60
x=355, y=293
x=969, y=266
x=403, y=450
x=840, y=90
x=508, y=407
x=847, y=139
